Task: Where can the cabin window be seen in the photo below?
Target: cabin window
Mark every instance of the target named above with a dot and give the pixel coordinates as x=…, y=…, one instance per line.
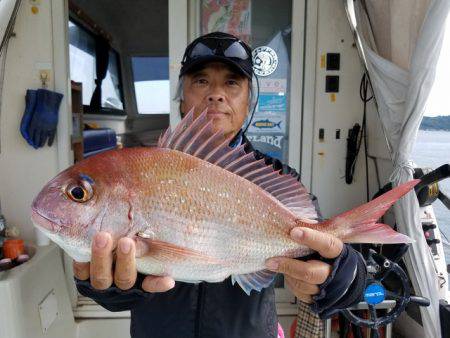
x=151, y=84
x=83, y=68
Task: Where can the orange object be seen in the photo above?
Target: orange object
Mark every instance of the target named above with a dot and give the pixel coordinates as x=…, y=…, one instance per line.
x=12, y=248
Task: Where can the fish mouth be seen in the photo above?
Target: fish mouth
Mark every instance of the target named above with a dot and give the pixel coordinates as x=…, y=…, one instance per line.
x=44, y=223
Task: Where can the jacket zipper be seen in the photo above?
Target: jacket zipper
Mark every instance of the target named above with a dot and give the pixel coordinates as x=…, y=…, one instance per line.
x=198, y=318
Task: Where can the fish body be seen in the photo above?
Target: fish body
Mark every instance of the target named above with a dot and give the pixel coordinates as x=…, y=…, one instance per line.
x=205, y=211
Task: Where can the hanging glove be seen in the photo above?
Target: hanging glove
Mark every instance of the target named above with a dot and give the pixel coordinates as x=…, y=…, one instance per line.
x=30, y=103
x=45, y=118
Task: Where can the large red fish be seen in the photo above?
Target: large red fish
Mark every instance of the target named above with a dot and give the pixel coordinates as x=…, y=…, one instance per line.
x=206, y=210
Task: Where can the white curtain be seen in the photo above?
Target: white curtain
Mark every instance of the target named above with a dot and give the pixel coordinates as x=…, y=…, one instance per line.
x=400, y=43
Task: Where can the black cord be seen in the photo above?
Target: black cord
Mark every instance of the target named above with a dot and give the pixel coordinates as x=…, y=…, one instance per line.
x=365, y=82
x=256, y=103
x=360, y=135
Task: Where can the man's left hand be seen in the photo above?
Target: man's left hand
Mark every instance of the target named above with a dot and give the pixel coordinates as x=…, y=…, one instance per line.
x=304, y=277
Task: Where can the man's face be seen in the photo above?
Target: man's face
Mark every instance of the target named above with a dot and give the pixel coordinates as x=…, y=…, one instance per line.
x=221, y=90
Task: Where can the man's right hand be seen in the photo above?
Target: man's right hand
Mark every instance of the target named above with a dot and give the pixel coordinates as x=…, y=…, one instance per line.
x=100, y=268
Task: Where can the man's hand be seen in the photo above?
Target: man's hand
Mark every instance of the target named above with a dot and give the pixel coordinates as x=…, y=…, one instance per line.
x=304, y=278
x=100, y=269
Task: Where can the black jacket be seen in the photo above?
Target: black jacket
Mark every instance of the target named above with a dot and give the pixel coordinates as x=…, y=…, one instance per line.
x=204, y=310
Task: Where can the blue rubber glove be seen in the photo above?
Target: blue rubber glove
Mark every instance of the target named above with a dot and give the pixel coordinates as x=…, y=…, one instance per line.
x=45, y=118
x=30, y=103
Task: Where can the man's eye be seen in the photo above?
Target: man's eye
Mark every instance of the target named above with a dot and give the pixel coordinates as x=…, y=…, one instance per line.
x=232, y=82
x=201, y=81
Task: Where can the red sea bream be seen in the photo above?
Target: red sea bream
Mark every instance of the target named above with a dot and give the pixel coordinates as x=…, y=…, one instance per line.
x=206, y=210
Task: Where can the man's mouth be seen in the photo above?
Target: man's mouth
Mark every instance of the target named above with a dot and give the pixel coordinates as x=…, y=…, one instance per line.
x=213, y=113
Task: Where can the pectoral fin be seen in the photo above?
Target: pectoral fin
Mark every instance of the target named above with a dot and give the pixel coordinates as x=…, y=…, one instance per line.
x=165, y=251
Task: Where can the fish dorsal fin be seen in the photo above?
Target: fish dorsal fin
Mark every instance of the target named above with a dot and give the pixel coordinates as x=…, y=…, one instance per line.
x=198, y=138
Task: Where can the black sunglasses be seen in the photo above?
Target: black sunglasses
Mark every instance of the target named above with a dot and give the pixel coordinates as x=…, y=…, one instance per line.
x=217, y=46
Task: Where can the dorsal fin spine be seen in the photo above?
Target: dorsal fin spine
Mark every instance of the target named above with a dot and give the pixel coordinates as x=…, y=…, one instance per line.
x=256, y=171
x=207, y=143
x=191, y=142
x=184, y=137
x=245, y=167
x=264, y=177
x=246, y=156
x=225, y=156
x=198, y=138
x=215, y=150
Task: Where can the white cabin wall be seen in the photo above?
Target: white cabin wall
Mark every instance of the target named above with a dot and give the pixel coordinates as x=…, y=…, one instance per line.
x=24, y=170
x=328, y=157
x=331, y=33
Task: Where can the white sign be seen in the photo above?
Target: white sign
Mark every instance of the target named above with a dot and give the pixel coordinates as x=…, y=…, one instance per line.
x=265, y=60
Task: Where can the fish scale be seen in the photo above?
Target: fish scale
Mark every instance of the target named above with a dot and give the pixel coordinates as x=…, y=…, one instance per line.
x=255, y=238
x=205, y=210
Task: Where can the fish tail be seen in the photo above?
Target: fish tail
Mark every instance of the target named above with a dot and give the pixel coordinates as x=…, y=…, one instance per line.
x=359, y=225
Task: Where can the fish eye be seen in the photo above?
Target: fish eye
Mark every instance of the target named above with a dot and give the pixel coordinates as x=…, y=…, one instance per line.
x=79, y=192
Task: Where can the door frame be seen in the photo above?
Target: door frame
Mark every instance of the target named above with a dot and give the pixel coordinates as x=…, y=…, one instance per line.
x=300, y=129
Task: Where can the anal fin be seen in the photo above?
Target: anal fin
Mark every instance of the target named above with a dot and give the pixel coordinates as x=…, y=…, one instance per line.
x=254, y=281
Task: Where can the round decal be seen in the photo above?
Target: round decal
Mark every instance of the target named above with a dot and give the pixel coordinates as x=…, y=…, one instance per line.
x=265, y=60
x=374, y=294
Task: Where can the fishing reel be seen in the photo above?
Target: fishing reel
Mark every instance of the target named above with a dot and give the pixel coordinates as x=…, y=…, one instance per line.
x=427, y=190
x=379, y=268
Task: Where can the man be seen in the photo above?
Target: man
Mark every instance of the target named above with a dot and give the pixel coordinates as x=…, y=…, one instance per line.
x=216, y=74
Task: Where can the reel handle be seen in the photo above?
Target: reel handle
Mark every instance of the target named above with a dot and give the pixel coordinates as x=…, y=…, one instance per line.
x=421, y=301
x=434, y=176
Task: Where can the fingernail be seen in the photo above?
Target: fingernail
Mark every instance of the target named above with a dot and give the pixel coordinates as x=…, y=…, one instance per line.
x=296, y=234
x=125, y=247
x=272, y=264
x=171, y=284
x=100, y=241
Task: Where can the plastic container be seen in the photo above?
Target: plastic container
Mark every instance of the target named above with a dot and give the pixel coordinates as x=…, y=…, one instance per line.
x=12, y=248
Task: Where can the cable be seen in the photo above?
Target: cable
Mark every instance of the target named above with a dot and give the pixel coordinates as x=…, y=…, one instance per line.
x=363, y=95
x=359, y=134
x=256, y=103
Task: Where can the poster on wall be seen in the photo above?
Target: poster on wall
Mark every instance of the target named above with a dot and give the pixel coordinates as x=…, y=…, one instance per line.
x=272, y=145
x=268, y=123
x=272, y=102
x=269, y=85
x=268, y=130
x=231, y=16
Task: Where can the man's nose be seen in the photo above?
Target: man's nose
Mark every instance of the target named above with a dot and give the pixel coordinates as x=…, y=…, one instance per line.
x=215, y=98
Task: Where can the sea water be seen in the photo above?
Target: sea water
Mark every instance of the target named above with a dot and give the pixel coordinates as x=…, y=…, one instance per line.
x=432, y=149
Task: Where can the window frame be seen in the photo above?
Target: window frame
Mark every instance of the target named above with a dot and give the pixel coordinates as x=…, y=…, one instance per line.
x=138, y=55
x=103, y=110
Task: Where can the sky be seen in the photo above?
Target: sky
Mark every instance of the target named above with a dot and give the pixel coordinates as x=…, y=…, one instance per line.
x=439, y=103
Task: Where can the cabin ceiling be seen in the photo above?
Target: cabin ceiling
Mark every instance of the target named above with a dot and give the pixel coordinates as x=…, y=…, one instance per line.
x=138, y=27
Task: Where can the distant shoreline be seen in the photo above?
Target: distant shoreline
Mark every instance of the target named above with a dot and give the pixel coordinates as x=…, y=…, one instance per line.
x=435, y=123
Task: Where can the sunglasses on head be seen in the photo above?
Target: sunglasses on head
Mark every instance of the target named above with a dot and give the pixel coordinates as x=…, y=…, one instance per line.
x=218, y=46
